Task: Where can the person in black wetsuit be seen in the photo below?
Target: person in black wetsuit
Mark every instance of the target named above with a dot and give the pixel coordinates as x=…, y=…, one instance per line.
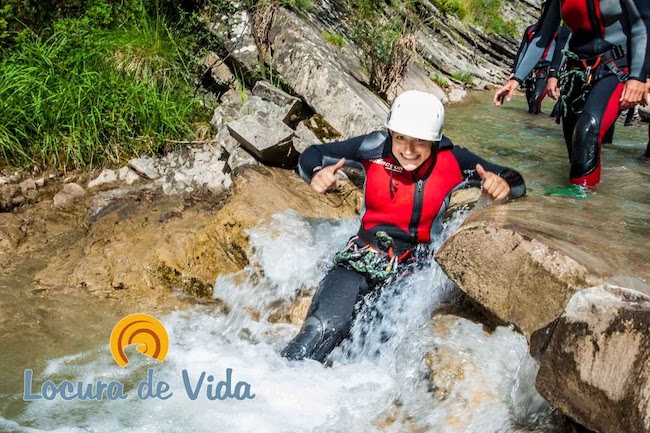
x=535, y=83
x=606, y=72
x=411, y=171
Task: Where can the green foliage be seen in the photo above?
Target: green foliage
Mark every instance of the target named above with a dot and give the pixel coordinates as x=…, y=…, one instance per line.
x=463, y=77
x=85, y=95
x=485, y=13
x=334, y=39
x=451, y=7
x=440, y=80
x=384, y=35
x=226, y=6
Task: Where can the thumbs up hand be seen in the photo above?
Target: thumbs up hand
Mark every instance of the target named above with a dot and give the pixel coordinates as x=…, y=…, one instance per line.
x=326, y=177
x=493, y=185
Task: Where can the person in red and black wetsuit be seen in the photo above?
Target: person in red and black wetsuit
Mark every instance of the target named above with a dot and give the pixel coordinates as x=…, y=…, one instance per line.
x=607, y=71
x=535, y=82
x=411, y=171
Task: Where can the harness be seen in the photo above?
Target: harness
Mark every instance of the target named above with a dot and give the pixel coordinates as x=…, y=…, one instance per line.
x=376, y=264
x=577, y=80
x=541, y=71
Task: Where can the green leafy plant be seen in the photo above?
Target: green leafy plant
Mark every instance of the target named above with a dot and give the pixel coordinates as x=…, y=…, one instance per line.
x=463, y=77
x=334, y=39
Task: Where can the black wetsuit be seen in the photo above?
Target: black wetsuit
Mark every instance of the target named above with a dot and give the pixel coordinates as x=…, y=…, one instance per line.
x=535, y=82
x=408, y=207
x=610, y=42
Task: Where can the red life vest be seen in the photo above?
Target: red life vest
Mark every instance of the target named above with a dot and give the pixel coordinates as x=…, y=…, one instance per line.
x=408, y=203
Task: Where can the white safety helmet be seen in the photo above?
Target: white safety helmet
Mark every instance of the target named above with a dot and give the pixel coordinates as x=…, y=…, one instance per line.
x=417, y=114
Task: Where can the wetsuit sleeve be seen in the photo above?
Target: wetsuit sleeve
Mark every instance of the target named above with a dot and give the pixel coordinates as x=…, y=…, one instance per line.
x=561, y=43
x=546, y=28
x=467, y=162
x=639, y=16
x=523, y=47
x=353, y=150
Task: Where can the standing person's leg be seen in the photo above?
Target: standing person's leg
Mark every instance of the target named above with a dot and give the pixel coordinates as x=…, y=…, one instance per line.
x=330, y=315
x=537, y=95
x=599, y=114
x=629, y=117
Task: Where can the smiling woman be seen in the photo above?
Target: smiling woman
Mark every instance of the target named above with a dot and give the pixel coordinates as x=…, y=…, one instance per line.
x=410, y=173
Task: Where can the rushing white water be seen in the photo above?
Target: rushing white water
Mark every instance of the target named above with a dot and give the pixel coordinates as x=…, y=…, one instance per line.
x=401, y=372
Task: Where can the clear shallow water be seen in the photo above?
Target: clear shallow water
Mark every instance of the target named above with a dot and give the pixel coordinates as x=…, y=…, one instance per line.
x=481, y=382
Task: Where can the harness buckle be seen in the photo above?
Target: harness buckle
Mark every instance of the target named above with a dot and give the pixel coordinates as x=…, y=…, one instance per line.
x=588, y=75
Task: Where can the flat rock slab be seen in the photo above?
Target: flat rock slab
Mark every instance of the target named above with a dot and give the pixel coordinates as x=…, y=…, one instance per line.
x=264, y=136
x=523, y=261
x=596, y=360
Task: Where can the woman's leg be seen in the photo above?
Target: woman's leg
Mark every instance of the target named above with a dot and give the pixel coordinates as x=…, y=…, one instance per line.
x=599, y=114
x=330, y=315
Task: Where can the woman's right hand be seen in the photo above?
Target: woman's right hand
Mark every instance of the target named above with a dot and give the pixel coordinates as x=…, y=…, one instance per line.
x=505, y=93
x=552, y=88
x=326, y=177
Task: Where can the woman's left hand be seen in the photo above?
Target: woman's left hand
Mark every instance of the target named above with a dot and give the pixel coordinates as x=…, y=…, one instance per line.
x=493, y=185
x=634, y=93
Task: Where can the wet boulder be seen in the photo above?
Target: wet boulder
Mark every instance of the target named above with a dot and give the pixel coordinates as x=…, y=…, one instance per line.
x=595, y=360
x=524, y=260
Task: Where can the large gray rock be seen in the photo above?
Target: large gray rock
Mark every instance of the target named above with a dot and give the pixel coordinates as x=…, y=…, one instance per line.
x=524, y=260
x=308, y=65
x=264, y=136
x=595, y=360
x=236, y=31
x=418, y=77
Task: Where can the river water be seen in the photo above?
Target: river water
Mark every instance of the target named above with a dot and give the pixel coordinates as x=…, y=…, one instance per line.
x=446, y=375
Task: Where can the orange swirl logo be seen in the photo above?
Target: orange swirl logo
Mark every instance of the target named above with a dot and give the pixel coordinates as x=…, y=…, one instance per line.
x=144, y=330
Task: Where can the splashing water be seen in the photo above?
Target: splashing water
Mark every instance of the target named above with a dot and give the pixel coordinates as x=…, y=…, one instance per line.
x=400, y=371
